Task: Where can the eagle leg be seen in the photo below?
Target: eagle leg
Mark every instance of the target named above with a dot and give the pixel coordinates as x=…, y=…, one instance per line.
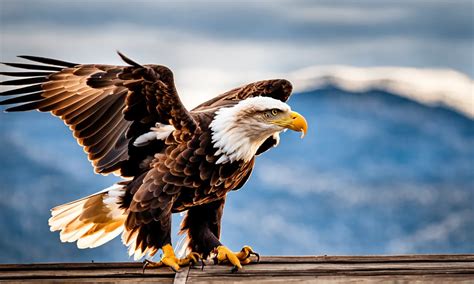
x=169, y=259
x=225, y=255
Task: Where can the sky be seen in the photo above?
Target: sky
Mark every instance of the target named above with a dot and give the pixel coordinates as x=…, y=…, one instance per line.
x=215, y=45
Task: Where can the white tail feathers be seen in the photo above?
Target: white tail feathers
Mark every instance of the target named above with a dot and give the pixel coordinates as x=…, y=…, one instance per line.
x=91, y=221
x=129, y=238
x=182, y=249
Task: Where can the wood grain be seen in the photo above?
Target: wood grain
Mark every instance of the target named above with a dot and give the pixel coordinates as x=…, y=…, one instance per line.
x=271, y=269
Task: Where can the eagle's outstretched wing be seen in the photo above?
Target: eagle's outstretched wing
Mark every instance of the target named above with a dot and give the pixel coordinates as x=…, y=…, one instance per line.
x=279, y=89
x=105, y=106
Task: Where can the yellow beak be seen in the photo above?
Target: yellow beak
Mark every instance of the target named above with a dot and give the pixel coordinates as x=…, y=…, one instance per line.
x=294, y=122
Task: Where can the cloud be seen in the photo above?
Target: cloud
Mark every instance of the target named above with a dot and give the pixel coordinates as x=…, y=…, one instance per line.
x=303, y=182
x=283, y=20
x=270, y=231
x=453, y=225
x=429, y=86
x=284, y=36
x=345, y=14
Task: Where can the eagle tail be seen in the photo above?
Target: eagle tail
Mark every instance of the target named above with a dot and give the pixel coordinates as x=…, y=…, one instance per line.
x=91, y=221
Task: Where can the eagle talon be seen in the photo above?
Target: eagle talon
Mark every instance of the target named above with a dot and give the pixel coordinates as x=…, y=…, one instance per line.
x=191, y=258
x=174, y=269
x=169, y=259
x=194, y=258
x=149, y=263
x=224, y=255
x=245, y=253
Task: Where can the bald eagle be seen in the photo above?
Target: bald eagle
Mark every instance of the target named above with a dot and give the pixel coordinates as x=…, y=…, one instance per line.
x=131, y=122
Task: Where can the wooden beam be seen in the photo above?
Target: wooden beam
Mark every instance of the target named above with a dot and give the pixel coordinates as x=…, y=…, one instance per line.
x=328, y=269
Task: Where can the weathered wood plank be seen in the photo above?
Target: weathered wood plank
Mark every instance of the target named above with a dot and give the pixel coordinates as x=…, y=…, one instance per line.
x=343, y=269
x=84, y=273
x=336, y=279
x=306, y=269
x=93, y=280
x=90, y=271
x=59, y=266
x=182, y=276
x=369, y=258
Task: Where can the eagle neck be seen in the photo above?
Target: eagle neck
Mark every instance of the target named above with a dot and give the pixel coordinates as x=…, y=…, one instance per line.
x=235, y=135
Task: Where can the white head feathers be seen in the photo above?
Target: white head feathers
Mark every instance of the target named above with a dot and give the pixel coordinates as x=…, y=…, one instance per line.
x=238, y=131
x=260, y=104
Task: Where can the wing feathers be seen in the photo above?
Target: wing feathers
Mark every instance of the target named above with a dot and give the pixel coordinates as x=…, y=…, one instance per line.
x=106, y=124
x=97, y=111
x=24, y=74
x=128, y=60
x=77, y=112
x=58, y=102
x=279, y=89
x=27, y=81
x=48, y=61
x=97, y=150
x=32, y=66
x=24, y=90
x=23, y=99
x=101, y=103
x=46, y=104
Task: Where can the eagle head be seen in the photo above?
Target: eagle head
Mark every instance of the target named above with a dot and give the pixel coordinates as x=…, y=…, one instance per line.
x=238, y=131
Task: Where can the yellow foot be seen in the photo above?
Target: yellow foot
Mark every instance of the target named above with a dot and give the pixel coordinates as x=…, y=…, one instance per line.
x=169, y=259
x=225, y=255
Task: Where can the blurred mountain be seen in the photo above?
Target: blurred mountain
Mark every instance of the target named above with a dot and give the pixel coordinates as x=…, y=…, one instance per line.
x=377, y=173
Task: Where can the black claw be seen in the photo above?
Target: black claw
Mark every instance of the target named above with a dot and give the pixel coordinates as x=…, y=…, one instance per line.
x=145, y=264
x=234, y=269
x=257, y=255
x=216, y=261
x=250, y=253
x=175, y=271
x=199, y=259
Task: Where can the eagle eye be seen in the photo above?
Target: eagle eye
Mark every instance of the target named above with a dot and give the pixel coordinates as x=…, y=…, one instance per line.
x=274, y=112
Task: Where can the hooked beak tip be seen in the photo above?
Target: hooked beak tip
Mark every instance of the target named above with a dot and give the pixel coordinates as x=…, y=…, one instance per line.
x=299, y=124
